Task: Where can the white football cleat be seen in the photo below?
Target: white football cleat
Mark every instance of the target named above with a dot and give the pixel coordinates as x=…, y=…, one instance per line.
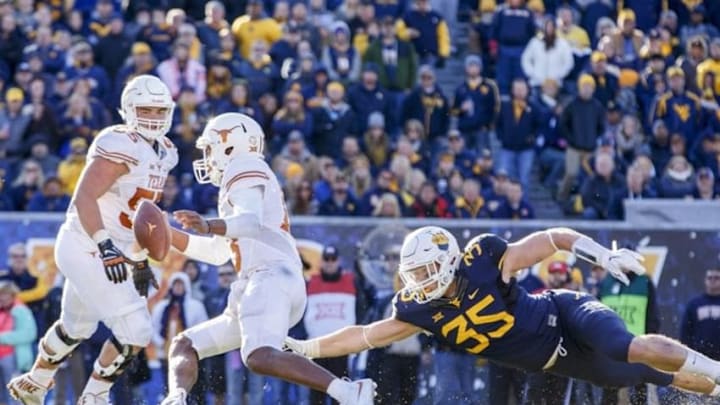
x=178, y=397
x=364, y=394
x=26, y=390
x=93, y=399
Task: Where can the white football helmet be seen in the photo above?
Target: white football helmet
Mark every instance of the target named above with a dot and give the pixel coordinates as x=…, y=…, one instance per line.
x=146, y=91
x=428, y=260
x=226, y=137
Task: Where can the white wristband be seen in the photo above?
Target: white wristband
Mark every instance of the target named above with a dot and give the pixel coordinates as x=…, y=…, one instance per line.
x=101, y=235
x=311, y=348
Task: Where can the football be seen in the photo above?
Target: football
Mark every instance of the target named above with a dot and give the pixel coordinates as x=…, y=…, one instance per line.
x=152, y=230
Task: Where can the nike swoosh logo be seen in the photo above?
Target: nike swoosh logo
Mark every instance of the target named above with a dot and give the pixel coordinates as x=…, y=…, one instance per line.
x=474, y=293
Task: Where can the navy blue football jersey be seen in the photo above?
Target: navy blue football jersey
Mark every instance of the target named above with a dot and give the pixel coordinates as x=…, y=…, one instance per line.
x=488, y=317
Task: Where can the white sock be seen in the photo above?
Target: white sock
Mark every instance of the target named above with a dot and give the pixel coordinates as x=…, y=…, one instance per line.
x=43, y=376
x=716, y=391
x=339, y=389
x=700, y=364
x=97, y=387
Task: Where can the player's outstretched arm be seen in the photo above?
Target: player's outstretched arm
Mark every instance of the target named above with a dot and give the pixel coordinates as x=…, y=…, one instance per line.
x=353, y=339
x=539, y=245
x=215, y=251
x=245, y=221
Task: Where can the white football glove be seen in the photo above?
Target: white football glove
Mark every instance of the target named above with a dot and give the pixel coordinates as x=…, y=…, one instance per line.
x=307, y=348
x=616, y=262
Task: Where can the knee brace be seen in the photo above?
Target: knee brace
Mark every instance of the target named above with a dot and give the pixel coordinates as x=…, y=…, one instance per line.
x=112, y=371
x=56, y=346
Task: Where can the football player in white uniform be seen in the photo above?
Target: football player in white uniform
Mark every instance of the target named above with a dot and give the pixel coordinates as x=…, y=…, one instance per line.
x=96, y=251
x=269, y=295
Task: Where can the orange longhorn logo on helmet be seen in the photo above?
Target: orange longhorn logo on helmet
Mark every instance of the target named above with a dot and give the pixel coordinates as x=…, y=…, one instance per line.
x=225, y=132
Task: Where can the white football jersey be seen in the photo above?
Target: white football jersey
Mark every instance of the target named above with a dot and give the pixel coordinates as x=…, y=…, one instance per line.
x=275, y=243
x=148, y=171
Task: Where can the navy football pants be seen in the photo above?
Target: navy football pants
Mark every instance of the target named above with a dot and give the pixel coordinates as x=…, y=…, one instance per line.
x=597, y=342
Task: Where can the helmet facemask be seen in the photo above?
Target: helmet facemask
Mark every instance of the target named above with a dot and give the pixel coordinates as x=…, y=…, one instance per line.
x=149, y=128
x=429, y=281
x=211, y=167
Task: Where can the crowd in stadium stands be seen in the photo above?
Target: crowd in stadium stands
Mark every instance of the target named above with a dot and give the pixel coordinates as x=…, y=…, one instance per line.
x=596, y=101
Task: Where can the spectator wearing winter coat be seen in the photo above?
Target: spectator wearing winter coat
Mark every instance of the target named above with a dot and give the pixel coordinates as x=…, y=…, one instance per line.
x=341, y=202
x=428, y=104
x=582, y=123
x=13, y=123
x=471, y=204
x=629, y=139
x=340, y=57
x=253, y=26
x=635, y=188
x=428, y=204
x=368, y=96
x=680, y=109
x=23, y=333
x=292, y=116
x=51, y=198
x=396, y=59
x=260, y=73
x=333, y=121
x=180, y=70
x=677, y=182
x=178, y=312
x=598, y=190
x=547, y=57
x=476, y=105
x=17, y=335
x=606, y=84
x=517, y=128
x=428, y=32
x=513, y=27
x=515, y=205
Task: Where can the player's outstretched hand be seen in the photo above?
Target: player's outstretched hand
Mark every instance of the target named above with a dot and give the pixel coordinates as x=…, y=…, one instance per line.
x=143, y=277
x=192, y=220
x=114, y=261
x=618, y=262
x=307, y=348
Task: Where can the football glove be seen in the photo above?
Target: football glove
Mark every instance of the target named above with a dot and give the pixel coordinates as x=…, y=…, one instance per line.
x=113, y=261
x=143, y=277
x=616, y=262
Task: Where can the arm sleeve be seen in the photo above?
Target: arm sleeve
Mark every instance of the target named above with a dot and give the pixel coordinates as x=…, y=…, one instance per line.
x=36, y=293
x=215, y=250
x=401, y=30
x=246, y=220
x=443, y=38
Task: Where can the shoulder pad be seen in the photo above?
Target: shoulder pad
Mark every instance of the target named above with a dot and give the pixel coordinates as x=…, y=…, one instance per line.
x=246, y=173
x=116, y=144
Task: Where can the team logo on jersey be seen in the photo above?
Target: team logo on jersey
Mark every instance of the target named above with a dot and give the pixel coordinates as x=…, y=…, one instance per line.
x=441, y=241
x=438, y=317
x=223, y=133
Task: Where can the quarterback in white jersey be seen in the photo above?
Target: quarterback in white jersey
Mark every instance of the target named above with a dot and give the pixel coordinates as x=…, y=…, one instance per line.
x=269, y=296
x=95, y=246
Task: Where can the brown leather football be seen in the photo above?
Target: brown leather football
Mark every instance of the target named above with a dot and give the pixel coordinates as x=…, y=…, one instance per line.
x=152, y=230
